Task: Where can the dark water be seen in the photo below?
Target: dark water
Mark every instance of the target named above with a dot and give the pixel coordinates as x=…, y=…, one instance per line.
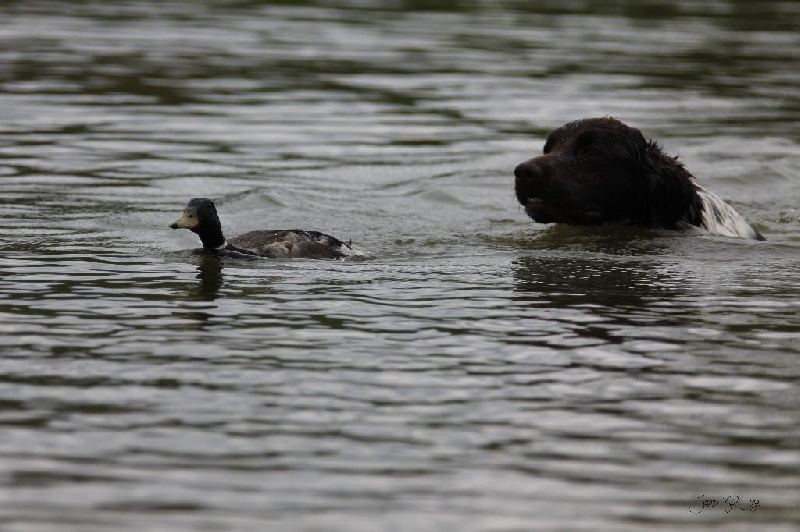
x=473, y=371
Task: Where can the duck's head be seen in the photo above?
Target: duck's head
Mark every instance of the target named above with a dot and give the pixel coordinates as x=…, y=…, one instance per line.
x=200, y=217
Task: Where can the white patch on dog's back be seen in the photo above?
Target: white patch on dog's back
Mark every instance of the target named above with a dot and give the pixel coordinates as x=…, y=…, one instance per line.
x=719, y=218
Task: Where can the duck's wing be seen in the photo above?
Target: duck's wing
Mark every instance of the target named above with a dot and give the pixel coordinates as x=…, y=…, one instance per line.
x=289, y=243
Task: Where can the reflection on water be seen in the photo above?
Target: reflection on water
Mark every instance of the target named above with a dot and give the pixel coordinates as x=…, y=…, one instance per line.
x=473, y=370
x=606, y=299
x=209, y=275
x=620, y=268
x=617, y=284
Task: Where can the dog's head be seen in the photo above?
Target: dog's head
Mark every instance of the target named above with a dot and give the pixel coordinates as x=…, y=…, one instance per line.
x=599, y=170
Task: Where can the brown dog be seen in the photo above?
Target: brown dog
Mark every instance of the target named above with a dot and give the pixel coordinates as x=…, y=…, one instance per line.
x=599, y=170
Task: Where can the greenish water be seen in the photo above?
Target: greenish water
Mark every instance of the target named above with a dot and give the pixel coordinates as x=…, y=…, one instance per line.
x=473, y=370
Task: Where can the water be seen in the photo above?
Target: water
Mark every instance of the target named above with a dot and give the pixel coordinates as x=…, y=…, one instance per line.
x=473, y=371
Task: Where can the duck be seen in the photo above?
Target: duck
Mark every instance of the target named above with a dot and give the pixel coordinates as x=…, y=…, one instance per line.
x=200, y=217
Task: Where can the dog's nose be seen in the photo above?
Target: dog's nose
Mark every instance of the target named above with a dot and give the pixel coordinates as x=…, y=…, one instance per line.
x=527, y=171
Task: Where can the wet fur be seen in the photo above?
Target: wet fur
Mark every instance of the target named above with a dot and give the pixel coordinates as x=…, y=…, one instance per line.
x=599, y=170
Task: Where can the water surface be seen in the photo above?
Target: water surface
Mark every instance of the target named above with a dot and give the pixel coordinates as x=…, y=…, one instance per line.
x=473, y=370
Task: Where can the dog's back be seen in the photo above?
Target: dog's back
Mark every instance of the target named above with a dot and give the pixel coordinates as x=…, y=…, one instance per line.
x=719, y=218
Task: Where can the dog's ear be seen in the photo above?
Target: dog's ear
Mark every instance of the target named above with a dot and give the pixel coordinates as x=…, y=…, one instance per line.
x=667, y=187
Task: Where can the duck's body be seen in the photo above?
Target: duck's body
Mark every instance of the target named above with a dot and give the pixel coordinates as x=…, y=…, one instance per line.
x=288, y=243
x=200, y=217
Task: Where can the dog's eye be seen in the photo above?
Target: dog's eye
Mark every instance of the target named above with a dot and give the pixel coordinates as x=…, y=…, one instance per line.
x=586, y=145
